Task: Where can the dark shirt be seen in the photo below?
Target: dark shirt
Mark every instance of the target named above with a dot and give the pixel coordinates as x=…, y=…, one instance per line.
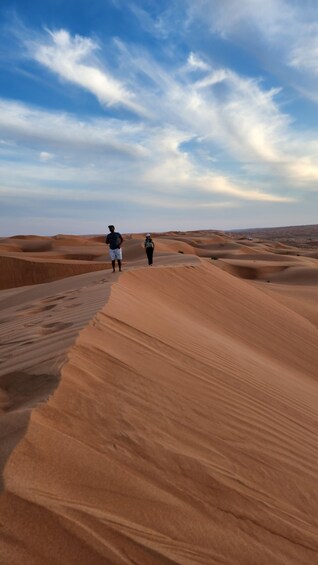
x=149, y=244
x=114, y=240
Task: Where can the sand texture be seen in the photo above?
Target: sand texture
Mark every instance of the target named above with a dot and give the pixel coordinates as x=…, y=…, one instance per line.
x=168, y=414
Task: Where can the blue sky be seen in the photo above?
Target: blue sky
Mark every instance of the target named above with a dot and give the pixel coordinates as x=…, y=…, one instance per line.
x=158, y=115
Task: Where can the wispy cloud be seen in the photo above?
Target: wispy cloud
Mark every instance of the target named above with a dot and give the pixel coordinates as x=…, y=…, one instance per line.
x=159, y=164
x=194, y=62
x=229, y=17
x=73, y=59
x=45, y=156
x=240, y=120
x=303, y=54
x=35, y=127
x=281, y=34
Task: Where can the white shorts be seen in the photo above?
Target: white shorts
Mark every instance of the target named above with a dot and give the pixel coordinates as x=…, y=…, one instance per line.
x=115, y=254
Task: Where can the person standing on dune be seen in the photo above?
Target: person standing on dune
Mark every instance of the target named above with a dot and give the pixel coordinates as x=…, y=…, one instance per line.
x=149, y=247
x=114, y=240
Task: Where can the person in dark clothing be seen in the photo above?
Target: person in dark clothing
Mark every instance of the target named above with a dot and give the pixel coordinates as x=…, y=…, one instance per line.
x=114, y=240
x=149, y=247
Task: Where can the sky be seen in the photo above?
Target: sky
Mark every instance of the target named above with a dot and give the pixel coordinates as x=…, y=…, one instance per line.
x=155, y=116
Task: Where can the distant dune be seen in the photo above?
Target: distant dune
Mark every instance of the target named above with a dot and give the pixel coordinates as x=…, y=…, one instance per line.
x=164, y=415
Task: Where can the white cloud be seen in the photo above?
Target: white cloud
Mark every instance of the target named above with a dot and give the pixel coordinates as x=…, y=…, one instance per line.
x=73, y=60
x=281, y=34
x=229, y=17
x=194, y=62
x=242, y=118
x=225, y=186
x=45, y=156
x=304, y=169
x=303, y=54
x=36, y=127
x=213, y=78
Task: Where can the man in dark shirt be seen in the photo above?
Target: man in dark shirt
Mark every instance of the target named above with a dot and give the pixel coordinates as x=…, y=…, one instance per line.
x=114, y=240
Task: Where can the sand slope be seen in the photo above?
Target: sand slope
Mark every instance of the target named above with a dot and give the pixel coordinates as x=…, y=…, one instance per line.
x=38, y=324
x=182, y=431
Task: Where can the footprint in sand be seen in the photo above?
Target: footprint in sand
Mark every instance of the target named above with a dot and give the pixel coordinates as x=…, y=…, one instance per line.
x=17, y=342
x=36, y=310
x=74, y=305
x=54, y=327
x=31, y=324
x=53, y=299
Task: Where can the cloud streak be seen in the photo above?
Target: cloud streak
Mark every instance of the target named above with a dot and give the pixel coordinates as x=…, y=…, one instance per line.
x=280, y=33
x=72, y=59
x=33, y=126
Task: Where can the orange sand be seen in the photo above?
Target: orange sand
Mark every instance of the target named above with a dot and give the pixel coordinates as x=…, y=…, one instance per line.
x=166, y=415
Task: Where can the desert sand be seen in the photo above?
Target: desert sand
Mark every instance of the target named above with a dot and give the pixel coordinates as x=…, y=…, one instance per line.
x=167, y=414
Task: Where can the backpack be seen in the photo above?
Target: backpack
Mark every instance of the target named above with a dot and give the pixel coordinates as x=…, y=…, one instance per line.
x=148, y=243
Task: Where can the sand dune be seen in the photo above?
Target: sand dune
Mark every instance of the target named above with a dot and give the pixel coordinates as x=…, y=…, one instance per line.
x=20, y=272
x=182, y=424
